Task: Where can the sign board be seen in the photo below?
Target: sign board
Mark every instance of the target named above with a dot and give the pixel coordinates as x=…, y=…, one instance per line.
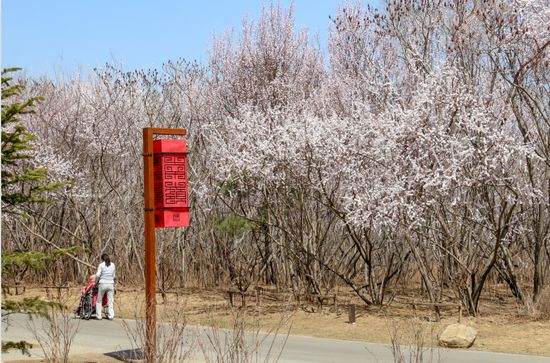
x=170, y=183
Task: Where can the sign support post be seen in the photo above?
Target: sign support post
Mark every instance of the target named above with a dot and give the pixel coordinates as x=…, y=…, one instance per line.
x=150, y=244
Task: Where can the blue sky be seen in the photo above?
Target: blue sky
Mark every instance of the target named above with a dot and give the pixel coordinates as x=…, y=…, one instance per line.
x=63, y=36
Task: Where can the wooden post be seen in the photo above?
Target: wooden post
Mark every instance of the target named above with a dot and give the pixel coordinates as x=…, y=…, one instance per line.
x=150, y=248
x=150, y=244
x=351, y=314
x=258, y=302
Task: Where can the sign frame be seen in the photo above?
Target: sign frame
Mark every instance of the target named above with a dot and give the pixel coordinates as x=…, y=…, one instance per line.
x=150, y=242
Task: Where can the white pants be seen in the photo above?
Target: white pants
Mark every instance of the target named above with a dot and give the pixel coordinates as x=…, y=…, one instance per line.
x=102, y=289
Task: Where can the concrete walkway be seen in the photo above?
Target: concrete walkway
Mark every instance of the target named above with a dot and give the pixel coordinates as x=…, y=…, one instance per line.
x=108, y=337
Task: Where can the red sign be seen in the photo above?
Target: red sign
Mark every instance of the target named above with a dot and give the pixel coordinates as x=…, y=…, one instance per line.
x=170, y=183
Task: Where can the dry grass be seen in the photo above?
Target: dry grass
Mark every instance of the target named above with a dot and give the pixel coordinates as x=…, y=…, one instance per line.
x=414, y=345
x=501, y=328
x=172, y=344
x=77, y=358
x=246, y=340
x=55, y=335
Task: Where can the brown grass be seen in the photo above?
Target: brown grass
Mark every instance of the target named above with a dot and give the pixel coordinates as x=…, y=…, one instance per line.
x=501, y=326
x=77, y=358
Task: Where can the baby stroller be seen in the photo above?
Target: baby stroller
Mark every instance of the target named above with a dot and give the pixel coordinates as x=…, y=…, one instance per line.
x=88, y=299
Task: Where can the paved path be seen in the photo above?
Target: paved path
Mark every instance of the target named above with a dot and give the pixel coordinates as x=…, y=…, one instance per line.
x=110, y=336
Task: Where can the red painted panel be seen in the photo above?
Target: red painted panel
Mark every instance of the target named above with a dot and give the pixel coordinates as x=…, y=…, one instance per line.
x=170, y=183
x=172, y=217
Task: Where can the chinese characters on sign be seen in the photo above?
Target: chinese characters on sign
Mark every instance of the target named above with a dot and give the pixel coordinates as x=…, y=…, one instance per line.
x=170, y=183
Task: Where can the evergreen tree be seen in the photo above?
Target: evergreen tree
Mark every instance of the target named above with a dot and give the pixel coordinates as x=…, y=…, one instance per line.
x=22, y=183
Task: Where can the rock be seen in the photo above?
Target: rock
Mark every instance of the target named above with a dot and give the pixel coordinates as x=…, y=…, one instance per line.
x=458, y=336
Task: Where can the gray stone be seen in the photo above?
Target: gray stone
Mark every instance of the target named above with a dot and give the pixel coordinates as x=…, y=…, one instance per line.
x=458, y=336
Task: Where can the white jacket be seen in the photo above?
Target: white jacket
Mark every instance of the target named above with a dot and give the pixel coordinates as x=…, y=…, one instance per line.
x=106, y=274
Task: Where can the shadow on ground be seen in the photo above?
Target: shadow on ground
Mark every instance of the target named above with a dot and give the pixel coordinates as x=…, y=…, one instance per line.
x=129, y=355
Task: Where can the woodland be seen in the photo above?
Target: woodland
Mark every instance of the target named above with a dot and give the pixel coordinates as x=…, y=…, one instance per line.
x=411, y=150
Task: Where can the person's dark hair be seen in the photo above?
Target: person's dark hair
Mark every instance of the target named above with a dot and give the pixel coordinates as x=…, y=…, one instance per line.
x=105, y=258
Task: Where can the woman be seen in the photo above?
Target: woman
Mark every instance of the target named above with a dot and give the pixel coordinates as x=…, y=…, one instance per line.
x=105, y=280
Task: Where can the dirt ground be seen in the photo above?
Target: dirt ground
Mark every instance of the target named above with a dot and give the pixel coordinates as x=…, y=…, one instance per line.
x=501, y=325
